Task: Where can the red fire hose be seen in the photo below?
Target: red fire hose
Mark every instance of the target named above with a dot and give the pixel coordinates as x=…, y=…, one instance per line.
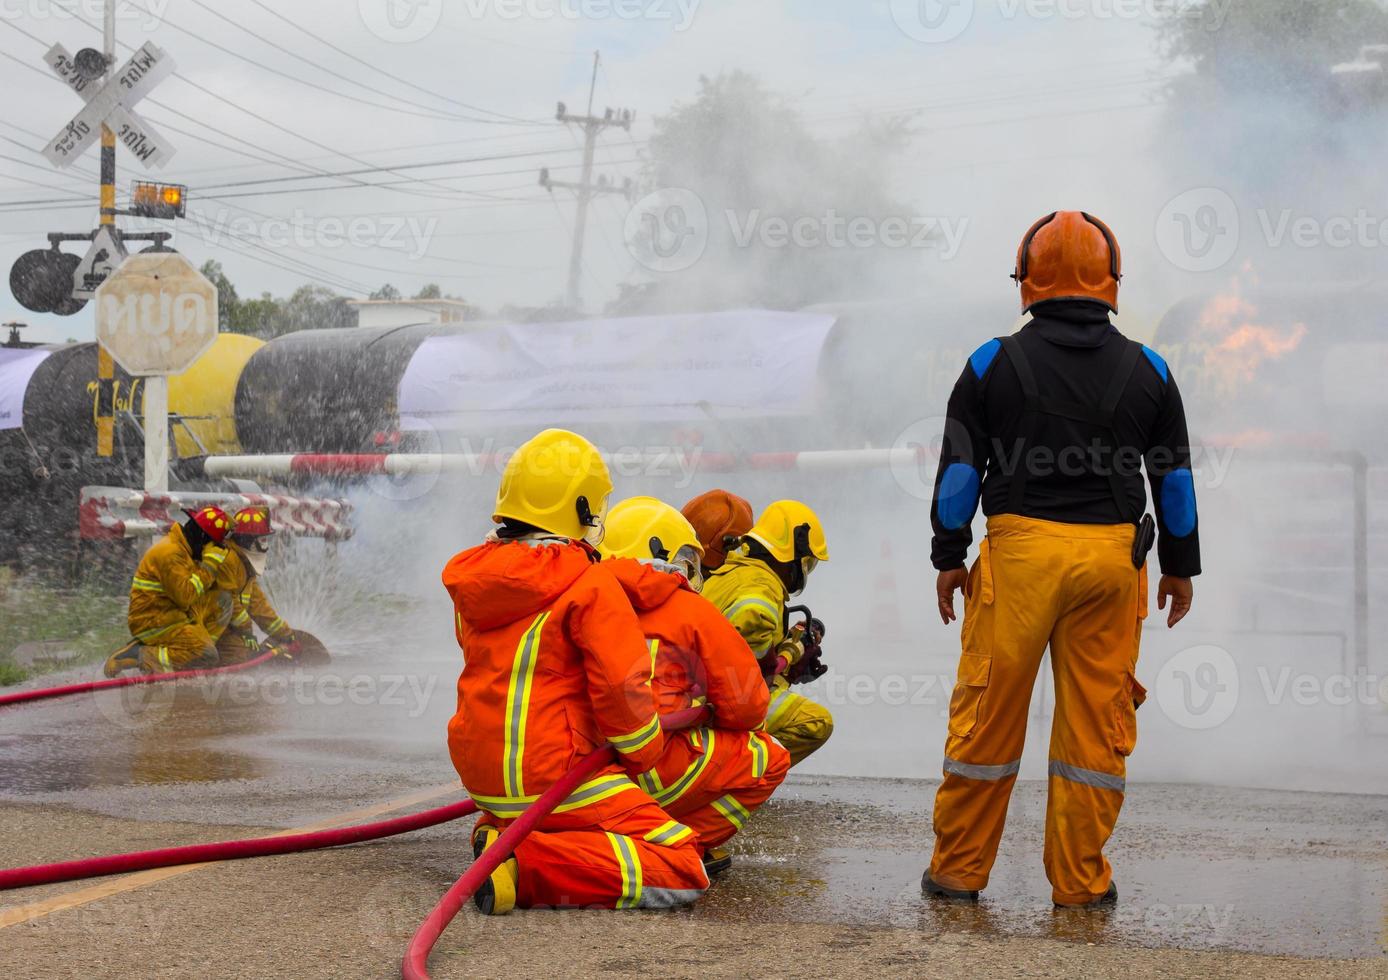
x=42, y=694
x=416, y=962
x=165, y=857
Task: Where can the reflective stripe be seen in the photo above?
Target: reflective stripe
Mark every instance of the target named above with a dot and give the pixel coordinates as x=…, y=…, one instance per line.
x=215, y=557
x=276, y=626
x=655, y=645
x=669, y=898
x=518, y=706
x=753, y=601
x=758, y=748
x=154, y=631
x=985, y=773
x=734, y=811
x=669, y=834
x=690, y=775
x=1088, y=777
x=650, y=782
x=630, y=865
x=782, y=702
x=593, y=791
x=145, y=585
x=163, y=656
x=197, y=584
x=459, y=617
x=241, y=618
x=639, y=739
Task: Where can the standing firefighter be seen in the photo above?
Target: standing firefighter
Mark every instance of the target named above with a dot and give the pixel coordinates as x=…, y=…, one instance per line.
x=238, y=600
x=711, y=778
x=555, y=666
x=752, y=590
x=1051, y=426
x=167, y=607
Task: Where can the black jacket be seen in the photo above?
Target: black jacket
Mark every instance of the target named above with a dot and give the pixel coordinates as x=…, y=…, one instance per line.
x=1074, y=352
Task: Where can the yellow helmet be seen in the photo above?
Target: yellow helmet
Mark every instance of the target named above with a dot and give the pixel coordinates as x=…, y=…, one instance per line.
x=790, y=531
x=645, y=528
x=557, y=482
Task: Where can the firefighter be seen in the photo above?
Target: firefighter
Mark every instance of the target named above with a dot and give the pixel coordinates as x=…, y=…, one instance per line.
x=167, y=607
x=555, y=666
x=1050, y=427
x=239, y=601
x=752, y=589
x=720, y=519
x=712, y=778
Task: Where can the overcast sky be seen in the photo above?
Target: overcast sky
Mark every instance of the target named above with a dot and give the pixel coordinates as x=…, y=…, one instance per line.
x=1023, y=107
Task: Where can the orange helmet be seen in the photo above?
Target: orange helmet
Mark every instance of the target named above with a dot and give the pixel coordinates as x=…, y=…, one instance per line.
x=213, y=521
x=1069, y=255
x=717, y=516
x=252, y=522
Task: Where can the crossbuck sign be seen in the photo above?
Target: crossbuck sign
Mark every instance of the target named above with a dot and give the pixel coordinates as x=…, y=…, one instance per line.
x=110, y=103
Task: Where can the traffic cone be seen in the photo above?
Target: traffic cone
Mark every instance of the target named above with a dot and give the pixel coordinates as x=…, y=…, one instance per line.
x=886, y=609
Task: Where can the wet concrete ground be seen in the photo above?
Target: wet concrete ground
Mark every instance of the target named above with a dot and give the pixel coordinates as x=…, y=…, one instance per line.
x=1200, y=868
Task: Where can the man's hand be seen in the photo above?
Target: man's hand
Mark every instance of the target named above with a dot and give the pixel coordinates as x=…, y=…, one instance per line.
x=945, y=586
x=1181, y=591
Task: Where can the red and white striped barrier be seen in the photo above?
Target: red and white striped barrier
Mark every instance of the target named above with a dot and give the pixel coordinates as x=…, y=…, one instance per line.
x=116, y=512
x=681, y=460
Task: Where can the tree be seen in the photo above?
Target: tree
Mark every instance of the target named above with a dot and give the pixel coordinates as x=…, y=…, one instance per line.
x=386, y=292
x=750, y=159
x=430, y=291
x=227, y=300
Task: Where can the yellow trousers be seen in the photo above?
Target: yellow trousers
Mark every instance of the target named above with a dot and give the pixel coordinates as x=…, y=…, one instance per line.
x=796, y=722
x=1072, y=587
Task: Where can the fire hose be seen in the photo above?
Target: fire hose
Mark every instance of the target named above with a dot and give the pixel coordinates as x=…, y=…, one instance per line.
x=41, y=694
x=416, y=963
x=230, y=850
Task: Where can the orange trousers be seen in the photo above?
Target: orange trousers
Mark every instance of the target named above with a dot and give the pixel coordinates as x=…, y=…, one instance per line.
x=714, y=779
x=1074, y=587
x=621, y=852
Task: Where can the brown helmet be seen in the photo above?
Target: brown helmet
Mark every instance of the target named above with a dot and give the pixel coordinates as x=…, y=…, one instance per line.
x=1069, y=255
x=717, y=516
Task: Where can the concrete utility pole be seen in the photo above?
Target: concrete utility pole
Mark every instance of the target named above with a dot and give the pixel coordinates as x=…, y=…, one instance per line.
x=105, y=366
x=585, y=190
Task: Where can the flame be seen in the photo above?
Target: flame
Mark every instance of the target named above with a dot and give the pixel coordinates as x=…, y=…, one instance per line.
x=1239, y=344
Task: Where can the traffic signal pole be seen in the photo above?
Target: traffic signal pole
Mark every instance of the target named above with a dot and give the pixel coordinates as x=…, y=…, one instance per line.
x=105, y=366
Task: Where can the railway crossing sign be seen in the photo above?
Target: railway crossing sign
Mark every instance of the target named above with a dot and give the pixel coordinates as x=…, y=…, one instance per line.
x=111, y=103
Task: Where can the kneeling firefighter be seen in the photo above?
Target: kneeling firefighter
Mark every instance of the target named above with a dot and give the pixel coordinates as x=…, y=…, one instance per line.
x=1050, y=427
x=711, y=778
x=555, y=666
x=166, y=598
x=238, y=600
x=753, y=589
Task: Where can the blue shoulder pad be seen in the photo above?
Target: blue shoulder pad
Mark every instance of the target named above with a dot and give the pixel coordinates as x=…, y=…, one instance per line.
x=1157, y=362
x=981, y=359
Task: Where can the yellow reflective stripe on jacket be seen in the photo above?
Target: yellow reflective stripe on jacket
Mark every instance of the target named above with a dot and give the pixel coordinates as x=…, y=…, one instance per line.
x=163, y=656
x=196, y=581
x=276, y=626
x=654, y=645
x=630, y=864
x=156, y=631
x=518, y=706
x=781, y=702
x=241, y=618
x=639, y=739
x=145, y=585
x=735, y=813
x=691, y=775
x=649, y=781
x=753, y=601
x=593, y=791
x=668, y=834
x=758, y=748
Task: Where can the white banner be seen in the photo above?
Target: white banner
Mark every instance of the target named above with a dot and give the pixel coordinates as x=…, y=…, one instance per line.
x=17, y=366
x=744, y=363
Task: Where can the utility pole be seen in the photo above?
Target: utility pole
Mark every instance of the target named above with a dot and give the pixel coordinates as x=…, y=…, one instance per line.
x=105, y=366
x=585, y=189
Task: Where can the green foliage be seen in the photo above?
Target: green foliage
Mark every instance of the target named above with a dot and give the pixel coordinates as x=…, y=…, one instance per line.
x=86, y=621
x=430, y=291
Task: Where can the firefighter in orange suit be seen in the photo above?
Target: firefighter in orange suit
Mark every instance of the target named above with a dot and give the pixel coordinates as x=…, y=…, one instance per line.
x=167, y=595
x=1051, y=428
x=239, y=600
x=555, y=666
x=711, y=778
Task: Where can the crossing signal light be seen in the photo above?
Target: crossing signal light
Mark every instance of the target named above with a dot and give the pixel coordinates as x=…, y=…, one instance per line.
x=151, y=200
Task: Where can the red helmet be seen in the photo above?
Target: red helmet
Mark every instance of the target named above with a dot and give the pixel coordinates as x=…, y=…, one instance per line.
x=213, y=521
x=1069, y=255
x=252, y=522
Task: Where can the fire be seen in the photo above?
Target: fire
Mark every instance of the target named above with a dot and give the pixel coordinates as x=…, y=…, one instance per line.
x=1239, y=344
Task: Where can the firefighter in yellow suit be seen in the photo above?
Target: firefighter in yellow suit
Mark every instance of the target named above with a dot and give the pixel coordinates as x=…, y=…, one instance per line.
x=752, y=589
x=238, y=600
x=167, y=598
x=1050, y=429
